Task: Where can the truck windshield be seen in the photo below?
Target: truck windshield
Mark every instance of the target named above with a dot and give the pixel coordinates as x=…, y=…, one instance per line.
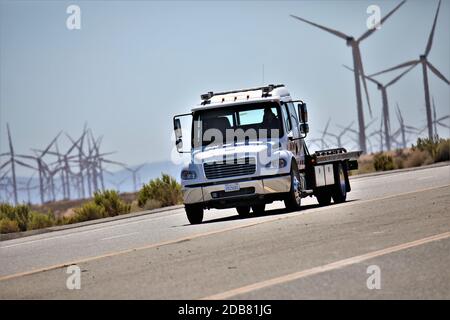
x=239, y=123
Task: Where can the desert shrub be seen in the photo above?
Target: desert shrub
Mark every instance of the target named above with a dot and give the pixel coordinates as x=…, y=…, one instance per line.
x=111, y=202
x=151, y=204
x=399, y=163
x=63, y=220
x=8, y=226
x=40, y=220
x=88, y=211
x=383, y=162
x=427, y=144
x=418, y=158
x=19, y=213
x=7, y=211
x=442, y=151
x=166, y=190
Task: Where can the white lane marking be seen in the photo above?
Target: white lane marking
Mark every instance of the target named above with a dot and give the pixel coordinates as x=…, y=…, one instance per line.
x=119, y=236
x=149, y=219
x=207, y=233
x=324, y=268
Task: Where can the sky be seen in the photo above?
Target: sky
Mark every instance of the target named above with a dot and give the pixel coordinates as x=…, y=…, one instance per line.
x=134, y=64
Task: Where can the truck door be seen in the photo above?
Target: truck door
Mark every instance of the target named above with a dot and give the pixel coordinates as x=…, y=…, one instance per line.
x=297, y=142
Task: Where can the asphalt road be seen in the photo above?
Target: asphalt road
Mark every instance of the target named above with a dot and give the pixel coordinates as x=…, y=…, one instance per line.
x=398, y=222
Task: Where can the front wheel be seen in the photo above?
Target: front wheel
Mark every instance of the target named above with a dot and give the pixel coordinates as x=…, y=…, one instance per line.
x=294, y=198
x=194, y=213
x=244, y=211
x=258, y=209
x=339, y=193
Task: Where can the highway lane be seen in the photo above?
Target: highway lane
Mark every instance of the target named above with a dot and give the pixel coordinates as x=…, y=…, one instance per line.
x=49, y=249
x=416, y=225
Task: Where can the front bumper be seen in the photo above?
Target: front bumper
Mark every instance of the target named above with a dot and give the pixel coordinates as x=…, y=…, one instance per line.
x=257, y=189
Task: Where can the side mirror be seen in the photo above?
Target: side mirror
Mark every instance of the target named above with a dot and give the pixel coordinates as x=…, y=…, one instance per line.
x=304, y=128
x=302, y=112
x=178, y=134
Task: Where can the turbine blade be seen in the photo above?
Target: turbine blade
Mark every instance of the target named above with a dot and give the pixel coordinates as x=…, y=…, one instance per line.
x=326, y=127
x=436, y=72
x=443, y=118
x=50, y=145
x=363, y=77
x=370, y=31
x=5, y=164
x=430, y=38
x=400, y=76
x=332, y=31
x=23, y=164
x=401, y=65
x=367, y=77
x=114, y=162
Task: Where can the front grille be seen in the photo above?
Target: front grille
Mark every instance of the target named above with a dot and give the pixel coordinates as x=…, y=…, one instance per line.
x=229, y=168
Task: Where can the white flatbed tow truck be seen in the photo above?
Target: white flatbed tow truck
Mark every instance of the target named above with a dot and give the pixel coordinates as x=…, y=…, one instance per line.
x=248, y=149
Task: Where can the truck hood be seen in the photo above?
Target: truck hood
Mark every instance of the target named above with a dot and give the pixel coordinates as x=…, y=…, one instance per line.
x=260, y=150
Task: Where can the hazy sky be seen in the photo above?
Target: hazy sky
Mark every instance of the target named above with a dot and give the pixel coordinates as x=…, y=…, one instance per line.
x=133, y=65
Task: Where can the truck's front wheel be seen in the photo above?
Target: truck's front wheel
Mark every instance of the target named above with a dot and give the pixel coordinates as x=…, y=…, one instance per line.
x=244, y=211
x=294, y=198
x=194, y=213
x=259, y=209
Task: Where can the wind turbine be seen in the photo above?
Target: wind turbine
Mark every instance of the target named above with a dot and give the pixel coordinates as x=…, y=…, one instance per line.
x=403, y=129
x=42, y=167
x=357, y=66
x=423, y=59
x=339, y=136
x=134, y=172
x=12, y=162
x=385, y=101
x=367, y=126
x=437, y=121
x=324, y=133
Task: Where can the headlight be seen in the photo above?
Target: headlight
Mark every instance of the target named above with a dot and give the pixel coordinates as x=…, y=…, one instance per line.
x=188, y=175
x=280, y=163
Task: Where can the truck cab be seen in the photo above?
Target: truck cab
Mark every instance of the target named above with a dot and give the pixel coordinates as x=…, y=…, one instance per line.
x=247, y=149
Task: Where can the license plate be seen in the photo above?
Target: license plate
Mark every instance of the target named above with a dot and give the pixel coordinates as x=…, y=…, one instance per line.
x=232, y=187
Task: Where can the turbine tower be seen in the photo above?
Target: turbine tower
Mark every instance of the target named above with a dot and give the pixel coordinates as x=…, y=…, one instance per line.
x=385, y=101
x=357, y=66
x=423, y=60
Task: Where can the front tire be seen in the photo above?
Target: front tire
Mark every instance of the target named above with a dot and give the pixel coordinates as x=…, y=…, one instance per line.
x=194, y=213
x=244, y=211
x=259, y=209
x=339, y=193
x=294, y=198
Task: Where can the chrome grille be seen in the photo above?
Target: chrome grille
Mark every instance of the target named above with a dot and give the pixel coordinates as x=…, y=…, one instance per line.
x=230, y=168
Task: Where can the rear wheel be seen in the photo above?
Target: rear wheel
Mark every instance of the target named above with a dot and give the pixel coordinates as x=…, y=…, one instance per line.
x=244, y=211
x=194, y=213
x=258, y=209
x=339, y=193
x=294, y=198
x=324, y=198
